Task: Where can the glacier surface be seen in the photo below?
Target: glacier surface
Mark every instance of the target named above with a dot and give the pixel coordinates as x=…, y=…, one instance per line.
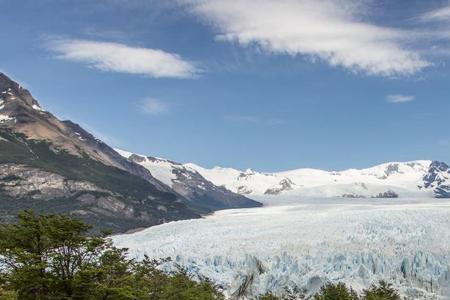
x=310, y=242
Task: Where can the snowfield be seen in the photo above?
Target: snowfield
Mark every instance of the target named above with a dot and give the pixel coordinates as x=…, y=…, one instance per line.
x=303, y=245
x=414, y=179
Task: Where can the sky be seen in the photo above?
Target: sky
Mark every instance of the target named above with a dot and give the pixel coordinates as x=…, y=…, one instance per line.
x=262, y=84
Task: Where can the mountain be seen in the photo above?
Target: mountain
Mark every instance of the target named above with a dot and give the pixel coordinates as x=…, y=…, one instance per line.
x=186, y=181
x=390, y=180
x=22, y=113
x=56, y=166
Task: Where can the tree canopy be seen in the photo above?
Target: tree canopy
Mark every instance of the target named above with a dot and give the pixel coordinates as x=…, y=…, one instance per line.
x=53, y=257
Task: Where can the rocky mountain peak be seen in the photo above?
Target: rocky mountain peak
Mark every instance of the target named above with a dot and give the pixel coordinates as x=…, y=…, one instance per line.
x=7, y=84
x=440, y=166
x=11, y=91
x=438, y=177
x=21, y=113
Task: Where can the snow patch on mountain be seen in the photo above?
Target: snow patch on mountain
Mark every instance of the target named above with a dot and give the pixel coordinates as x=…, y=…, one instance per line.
x=37, y=107
x=5, y=118
x=422, y=178
x=189, y=183
x=160, y=168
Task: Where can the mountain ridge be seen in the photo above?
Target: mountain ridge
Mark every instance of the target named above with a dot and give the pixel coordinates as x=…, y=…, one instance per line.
x=189, y=183
x=421, y=178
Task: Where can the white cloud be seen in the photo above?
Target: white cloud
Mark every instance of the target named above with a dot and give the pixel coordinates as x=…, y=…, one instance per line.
x=399, y=98
x=325, y=29
x=115, y=57
x=154, y=106
x=440, y=14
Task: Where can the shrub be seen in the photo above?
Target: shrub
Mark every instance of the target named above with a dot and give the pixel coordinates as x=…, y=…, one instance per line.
x=336, y=292
x=382, y=291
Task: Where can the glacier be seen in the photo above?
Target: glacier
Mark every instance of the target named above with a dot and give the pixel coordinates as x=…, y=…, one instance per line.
x=304, y=244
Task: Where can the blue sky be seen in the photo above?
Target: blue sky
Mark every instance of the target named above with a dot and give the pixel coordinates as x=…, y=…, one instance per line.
x=269, y=85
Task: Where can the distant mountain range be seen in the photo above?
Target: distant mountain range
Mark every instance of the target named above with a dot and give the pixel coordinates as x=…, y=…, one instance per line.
x=428, y=179
x=56, y=166
x=421, y=178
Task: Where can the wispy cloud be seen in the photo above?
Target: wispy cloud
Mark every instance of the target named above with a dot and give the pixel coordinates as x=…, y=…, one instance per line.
x=154, y=106
x=332, y=31
x=440, y=14
x=115, y=57
x=399, y=98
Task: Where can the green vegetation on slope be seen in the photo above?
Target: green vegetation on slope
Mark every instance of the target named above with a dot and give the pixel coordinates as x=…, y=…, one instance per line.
x=17, y=149
x=132, y=190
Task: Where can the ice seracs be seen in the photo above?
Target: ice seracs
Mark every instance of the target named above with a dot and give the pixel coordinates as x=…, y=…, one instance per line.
x=355, y=241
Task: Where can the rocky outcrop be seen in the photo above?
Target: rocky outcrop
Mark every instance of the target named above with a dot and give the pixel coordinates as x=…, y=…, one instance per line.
x=25, y=187
x=352, y=196
x=21, y=181
x=285, y=185
x=438, y=178
x=387, y=194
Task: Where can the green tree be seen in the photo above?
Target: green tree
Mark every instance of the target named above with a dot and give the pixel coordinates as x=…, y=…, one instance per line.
x=7, y=295
x=336, y=292
x=382, y=291
x=179, y=286
x=42, y=255
x=53, y=257
x=268, y=296
x=288, y=294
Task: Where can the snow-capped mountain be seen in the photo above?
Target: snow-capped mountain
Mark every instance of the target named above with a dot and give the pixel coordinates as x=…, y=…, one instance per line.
x=421, y=178
x=187, y=182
